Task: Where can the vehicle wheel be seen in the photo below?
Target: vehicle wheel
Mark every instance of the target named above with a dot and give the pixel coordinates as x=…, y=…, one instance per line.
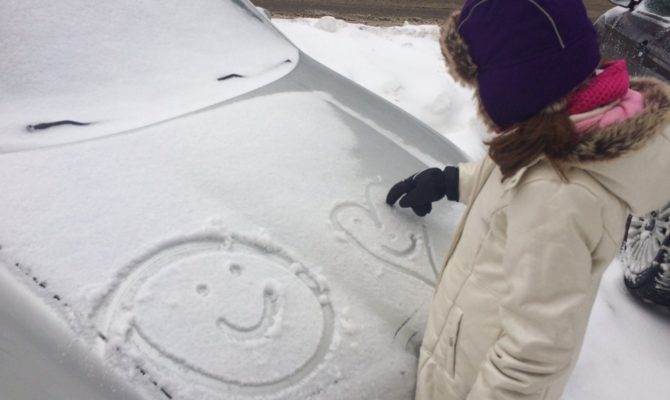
x=646, y=256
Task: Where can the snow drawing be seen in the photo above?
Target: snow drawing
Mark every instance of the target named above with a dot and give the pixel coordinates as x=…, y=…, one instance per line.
x=229, y=312
x=399, y=242
x=267, y=319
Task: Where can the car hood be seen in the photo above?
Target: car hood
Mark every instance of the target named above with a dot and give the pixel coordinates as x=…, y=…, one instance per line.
x=244, y=248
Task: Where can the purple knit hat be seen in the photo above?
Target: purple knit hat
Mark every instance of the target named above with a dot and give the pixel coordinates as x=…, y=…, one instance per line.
x=523, y=55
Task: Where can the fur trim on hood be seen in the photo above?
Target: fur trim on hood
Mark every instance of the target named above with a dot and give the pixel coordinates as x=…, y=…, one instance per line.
x=631, y=159
x=456, y=53
x=460, y=64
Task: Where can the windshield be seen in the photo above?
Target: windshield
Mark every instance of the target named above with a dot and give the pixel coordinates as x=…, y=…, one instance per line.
x=116, y=65
x=659, y=7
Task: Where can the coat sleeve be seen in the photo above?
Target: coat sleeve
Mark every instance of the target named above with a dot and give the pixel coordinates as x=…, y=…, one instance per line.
x=552, y=230
x=468, y=173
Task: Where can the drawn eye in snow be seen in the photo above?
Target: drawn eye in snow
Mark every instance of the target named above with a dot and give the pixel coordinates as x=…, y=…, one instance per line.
x=400, y=242
x=227, y=312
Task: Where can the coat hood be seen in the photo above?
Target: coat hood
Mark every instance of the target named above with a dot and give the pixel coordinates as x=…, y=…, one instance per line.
x=631, y=159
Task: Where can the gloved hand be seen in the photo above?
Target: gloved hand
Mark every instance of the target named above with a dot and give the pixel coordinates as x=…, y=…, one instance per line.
x=421, y=189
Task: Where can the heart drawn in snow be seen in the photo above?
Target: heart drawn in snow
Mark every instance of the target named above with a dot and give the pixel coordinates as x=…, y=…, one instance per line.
x=398, y=240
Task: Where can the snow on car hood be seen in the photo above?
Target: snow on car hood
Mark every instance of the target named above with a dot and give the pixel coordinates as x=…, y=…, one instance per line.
x=123, y=64
x=222, y=255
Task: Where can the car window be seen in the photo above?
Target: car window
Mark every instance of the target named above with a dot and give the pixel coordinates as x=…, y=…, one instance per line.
x=659, y=7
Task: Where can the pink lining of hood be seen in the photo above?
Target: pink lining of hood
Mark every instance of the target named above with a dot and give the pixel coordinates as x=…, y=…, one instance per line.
x=627, y=107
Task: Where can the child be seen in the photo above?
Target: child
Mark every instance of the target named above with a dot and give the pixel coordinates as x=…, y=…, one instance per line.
x=576, y=149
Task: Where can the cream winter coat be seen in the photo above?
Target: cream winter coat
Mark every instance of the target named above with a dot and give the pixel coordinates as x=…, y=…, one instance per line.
x=511, y=308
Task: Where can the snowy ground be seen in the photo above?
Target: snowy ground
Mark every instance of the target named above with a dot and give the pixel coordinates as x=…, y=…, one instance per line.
x=626, y=354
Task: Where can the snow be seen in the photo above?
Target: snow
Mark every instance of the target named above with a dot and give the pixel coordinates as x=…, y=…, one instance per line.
x=133, y=240
x=401, y=64
x=153, y=245
x=162, y=69
x=625, y=354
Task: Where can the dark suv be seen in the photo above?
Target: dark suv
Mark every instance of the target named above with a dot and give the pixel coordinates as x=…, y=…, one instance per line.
x=639, y=31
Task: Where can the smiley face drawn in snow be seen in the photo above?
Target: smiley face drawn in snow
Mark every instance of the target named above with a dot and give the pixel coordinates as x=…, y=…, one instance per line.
x=228, y=312
x=380, y=232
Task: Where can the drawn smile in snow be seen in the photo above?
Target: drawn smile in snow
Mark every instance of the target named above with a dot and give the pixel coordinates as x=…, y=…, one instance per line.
x=269, y=299
x=221, y=310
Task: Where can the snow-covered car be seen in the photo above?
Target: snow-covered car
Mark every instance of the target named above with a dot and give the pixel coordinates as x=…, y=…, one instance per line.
x=192, y=208
x=639, y=31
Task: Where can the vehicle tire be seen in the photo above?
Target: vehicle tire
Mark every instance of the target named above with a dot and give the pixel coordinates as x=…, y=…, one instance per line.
x=646, y=256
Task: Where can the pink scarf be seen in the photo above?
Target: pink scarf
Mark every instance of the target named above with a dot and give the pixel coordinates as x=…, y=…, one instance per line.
x=605, y=100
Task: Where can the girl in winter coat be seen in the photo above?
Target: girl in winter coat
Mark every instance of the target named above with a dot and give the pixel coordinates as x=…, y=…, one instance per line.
x=578, y=145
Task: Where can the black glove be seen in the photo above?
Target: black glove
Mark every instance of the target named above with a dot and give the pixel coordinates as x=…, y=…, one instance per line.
x=421, y=189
